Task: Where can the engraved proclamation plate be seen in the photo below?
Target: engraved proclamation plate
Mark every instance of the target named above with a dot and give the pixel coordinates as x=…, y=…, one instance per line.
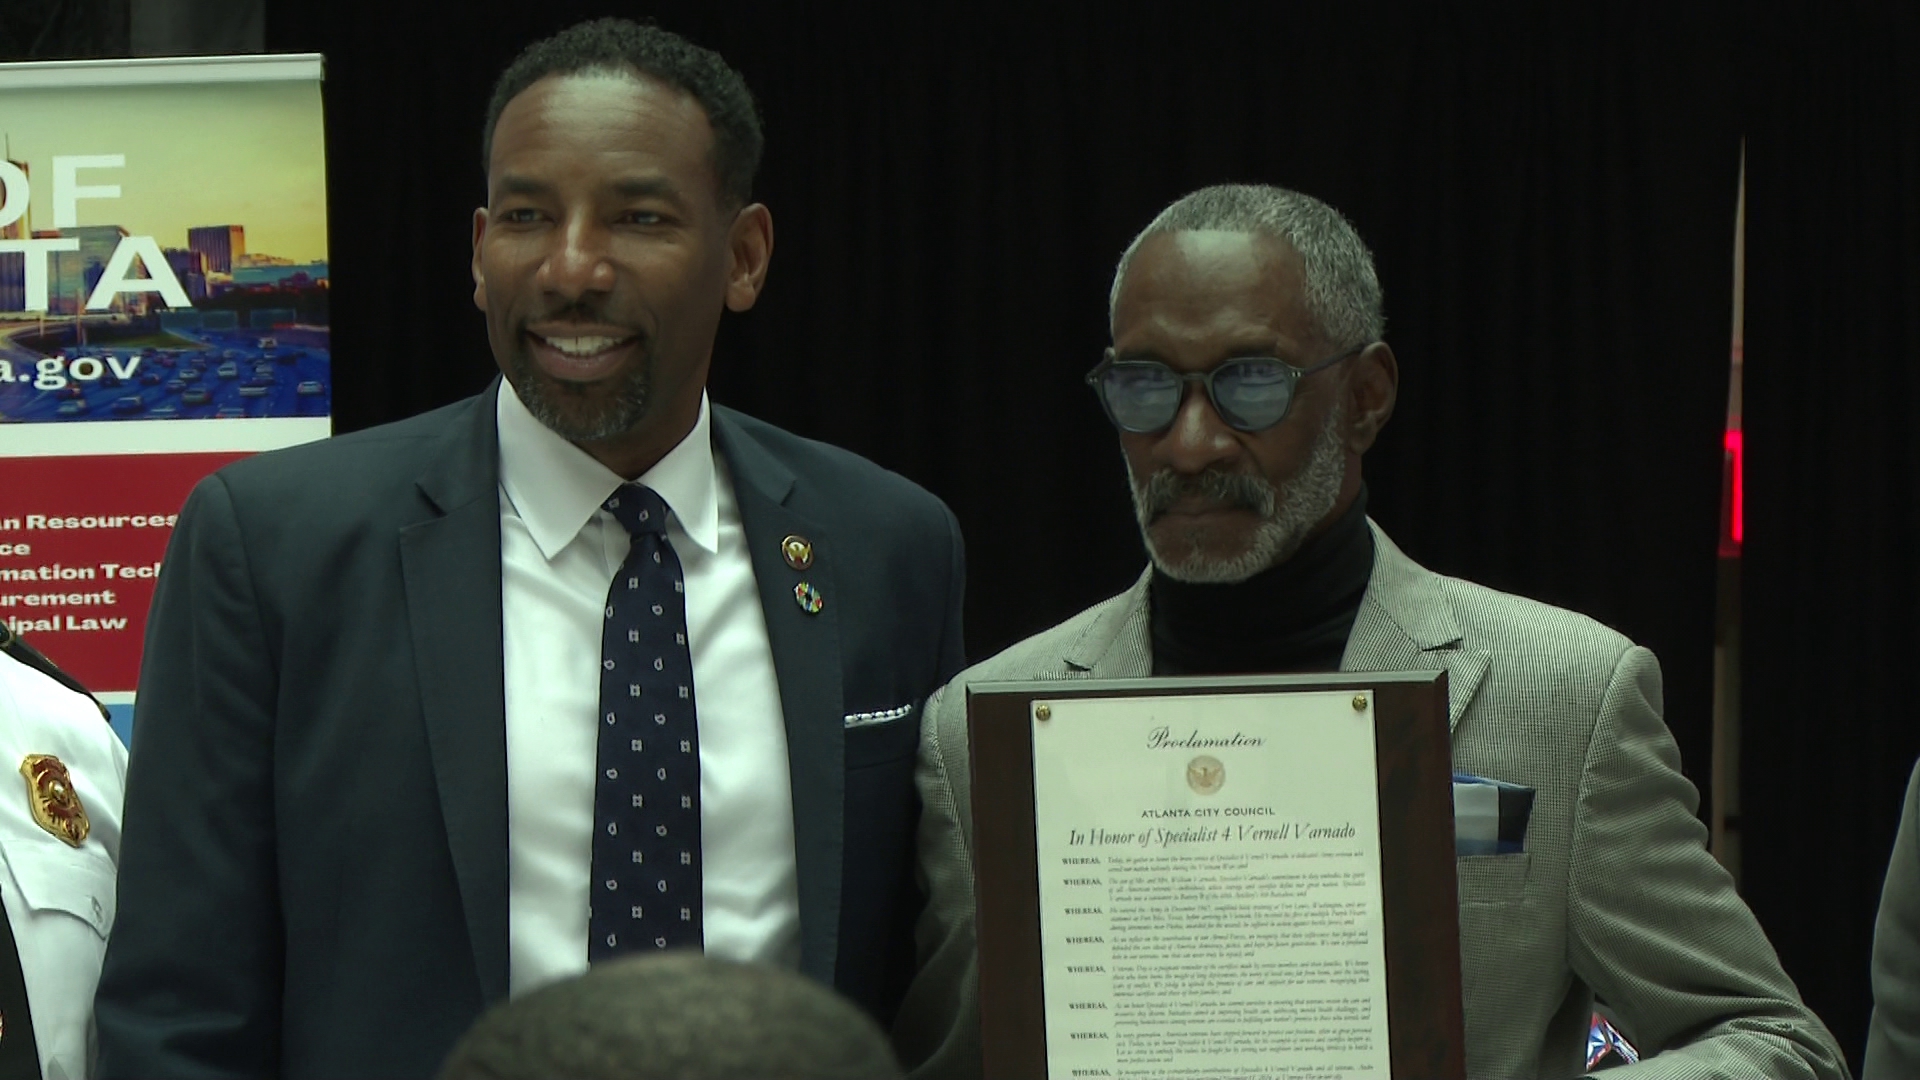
x=1201, y=878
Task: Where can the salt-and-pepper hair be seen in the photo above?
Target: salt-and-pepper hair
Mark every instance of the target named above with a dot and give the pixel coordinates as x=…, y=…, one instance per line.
x=1343, y=293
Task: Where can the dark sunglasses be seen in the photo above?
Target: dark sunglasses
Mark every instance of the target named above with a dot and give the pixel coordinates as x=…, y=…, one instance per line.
x=1251, y=393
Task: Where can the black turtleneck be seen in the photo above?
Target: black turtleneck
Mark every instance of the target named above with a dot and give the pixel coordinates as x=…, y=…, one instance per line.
x=1287, y=618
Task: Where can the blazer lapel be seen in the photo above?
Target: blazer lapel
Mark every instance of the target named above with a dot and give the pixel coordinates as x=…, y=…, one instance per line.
x=1406, y=624
x=450, y=561
x=806, y=659
x=1116, y=643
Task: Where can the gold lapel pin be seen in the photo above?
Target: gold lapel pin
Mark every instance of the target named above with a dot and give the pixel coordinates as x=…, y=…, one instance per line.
x=798, y=551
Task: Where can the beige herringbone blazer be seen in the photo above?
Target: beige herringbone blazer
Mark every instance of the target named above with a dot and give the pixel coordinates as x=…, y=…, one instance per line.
x=1614, y=895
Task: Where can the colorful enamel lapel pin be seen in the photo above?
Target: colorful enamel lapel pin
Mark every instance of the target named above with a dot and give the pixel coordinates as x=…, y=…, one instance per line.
x=808, y=598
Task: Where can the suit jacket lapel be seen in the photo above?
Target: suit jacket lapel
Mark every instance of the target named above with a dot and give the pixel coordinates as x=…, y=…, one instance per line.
x=1406, y=624
x=450, y=561
x=806, y=659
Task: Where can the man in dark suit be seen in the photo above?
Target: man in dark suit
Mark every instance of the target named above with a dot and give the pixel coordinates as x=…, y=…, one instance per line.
x=441, y=712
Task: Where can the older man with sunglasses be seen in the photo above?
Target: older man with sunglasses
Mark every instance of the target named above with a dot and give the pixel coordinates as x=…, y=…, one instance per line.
x=1247, y=378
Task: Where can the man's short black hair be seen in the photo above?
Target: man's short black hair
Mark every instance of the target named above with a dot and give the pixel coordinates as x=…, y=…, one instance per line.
x=675, y=1016
x=621, y=45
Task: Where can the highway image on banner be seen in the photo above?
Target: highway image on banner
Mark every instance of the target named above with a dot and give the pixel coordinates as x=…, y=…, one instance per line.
x=180, y=374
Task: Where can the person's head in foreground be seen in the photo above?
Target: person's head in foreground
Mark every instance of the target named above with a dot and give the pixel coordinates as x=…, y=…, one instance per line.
x=1269, y=299
x=675, y=1016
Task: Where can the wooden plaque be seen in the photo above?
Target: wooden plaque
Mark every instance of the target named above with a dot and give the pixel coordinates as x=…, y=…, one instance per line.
x=1419, y=908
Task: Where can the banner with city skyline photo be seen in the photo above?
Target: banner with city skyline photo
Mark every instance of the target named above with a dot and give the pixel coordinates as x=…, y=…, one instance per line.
x=163, y=311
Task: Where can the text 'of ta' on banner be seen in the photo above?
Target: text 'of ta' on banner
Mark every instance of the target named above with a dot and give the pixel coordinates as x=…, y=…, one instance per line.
x=163, y=311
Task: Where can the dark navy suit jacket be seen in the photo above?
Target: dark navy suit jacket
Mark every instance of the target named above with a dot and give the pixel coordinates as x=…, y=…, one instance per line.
x=314, y=876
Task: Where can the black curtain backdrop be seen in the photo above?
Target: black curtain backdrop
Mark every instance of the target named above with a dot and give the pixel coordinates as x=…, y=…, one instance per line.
x=1550, y=202
x=1833, y=460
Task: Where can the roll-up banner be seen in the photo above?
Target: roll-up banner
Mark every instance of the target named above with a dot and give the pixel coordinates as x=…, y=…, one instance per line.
x=163, y=311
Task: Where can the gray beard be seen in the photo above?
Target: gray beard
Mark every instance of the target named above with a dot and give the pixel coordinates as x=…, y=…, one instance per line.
x=1287, y=512
x=616, y=415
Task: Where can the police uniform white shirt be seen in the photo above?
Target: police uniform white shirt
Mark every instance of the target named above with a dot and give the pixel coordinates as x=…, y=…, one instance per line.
x=58, y=898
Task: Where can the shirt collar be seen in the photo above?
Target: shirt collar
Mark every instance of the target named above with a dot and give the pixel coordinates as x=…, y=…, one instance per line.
x=557, y=487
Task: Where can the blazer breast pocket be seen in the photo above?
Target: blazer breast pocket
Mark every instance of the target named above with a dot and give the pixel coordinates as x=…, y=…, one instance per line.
x=1493, y=880
x=882, y=736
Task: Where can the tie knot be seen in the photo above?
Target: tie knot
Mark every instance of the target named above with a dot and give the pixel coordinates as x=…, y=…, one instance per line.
x=639, y=508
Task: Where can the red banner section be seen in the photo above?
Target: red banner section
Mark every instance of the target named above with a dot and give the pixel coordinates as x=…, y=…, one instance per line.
x=81, y=540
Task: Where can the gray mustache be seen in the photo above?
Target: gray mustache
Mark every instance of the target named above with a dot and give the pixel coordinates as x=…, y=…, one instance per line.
x=1237, y=490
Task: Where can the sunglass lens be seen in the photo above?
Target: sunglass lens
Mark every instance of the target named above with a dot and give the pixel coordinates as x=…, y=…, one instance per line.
x=1140, y=397
x=1252, y=394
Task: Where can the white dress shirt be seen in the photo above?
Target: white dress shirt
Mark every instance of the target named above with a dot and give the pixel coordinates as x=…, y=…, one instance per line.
x=558, y=553
x=59, y=899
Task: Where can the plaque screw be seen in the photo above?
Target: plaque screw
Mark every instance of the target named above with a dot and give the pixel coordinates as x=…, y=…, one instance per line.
x=1042, y=712
x=1359, y=703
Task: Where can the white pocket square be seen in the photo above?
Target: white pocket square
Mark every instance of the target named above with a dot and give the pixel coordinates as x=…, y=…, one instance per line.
x=868, y=719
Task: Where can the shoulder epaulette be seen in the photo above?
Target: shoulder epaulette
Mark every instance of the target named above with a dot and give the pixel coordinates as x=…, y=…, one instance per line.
x=16, y=646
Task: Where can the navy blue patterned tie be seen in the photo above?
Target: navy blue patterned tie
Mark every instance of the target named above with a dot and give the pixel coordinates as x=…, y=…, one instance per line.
x=646, y=800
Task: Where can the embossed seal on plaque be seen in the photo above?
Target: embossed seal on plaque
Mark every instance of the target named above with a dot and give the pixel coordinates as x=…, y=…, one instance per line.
x=1205, y=774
